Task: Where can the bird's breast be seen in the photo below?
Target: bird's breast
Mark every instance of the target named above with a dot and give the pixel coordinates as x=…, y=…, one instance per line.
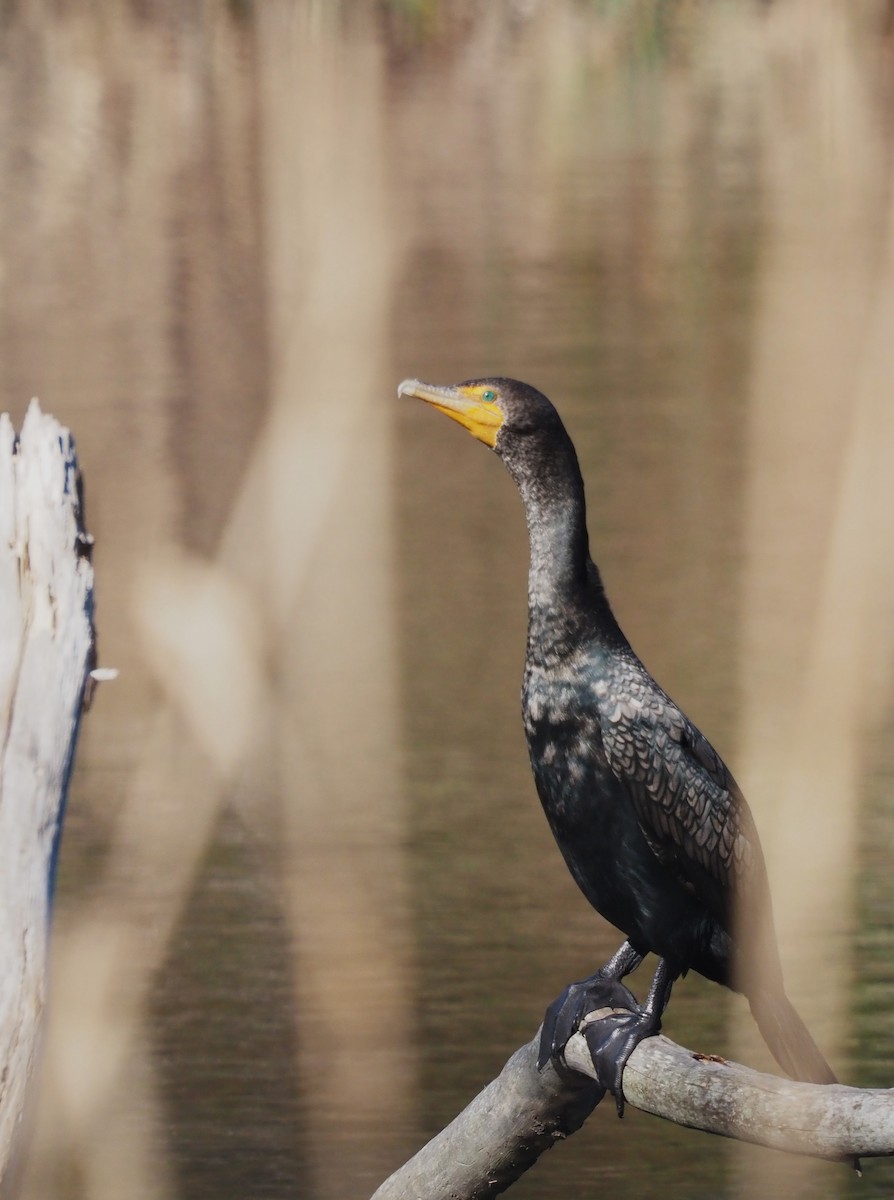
x=564, y=736
x=589, y=808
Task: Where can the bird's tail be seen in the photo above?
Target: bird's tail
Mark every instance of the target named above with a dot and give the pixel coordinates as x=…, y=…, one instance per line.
x=788, y=1038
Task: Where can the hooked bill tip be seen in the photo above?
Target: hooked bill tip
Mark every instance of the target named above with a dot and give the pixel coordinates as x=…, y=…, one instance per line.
x=407, y=387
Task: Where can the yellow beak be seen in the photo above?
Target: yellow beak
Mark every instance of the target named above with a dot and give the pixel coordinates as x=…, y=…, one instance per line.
x=464, y=404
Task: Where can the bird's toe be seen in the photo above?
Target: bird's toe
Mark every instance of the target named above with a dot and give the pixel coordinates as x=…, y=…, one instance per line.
x=566, y=1014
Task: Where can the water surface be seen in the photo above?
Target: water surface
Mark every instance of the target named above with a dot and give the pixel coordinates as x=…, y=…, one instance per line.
x=308, y=902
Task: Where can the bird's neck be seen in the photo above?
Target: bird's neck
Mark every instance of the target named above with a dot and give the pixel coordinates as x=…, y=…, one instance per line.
x=561, y=573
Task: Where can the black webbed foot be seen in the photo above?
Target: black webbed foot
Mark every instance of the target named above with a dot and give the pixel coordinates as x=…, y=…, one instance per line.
x=613, y=1036
x=611, y=1040
x=564, y=1016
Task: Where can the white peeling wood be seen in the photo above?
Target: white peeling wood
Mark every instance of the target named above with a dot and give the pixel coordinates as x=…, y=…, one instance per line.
x=46, y=653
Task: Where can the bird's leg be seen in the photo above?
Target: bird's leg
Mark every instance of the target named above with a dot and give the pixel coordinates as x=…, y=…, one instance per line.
x=614, y=1037
x=602, y=990
x=624, y=960
x=660, y=992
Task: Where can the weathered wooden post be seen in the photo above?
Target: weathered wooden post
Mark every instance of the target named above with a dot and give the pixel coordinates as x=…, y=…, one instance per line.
x=46, y=655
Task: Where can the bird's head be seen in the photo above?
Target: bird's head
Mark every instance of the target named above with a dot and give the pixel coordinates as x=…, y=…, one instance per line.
x=499, y=412
x=521, y=425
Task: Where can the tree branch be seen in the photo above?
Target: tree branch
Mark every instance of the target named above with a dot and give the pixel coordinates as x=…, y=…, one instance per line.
x=46, y=648
x=523, y=1112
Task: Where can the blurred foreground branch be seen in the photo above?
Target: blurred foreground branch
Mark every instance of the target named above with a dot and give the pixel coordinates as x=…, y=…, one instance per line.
x=523, y=1112
x=46, y=648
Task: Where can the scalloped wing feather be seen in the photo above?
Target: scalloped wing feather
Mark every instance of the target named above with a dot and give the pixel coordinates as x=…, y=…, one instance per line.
x=688, y=805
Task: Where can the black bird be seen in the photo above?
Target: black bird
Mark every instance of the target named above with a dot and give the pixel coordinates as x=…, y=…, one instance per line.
x=649, y=819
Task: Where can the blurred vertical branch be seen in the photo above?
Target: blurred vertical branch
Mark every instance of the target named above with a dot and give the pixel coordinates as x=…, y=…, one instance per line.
x=316, y=509
x=817, y=655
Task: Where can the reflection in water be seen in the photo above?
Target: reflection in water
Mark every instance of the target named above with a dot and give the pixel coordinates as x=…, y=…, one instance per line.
x=308, y=902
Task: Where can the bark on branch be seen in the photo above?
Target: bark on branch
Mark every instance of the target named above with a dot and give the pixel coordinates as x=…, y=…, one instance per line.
x=46, y=646
x=522, y=1112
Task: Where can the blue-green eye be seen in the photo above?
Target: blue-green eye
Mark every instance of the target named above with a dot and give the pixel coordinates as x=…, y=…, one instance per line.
x=488, y=395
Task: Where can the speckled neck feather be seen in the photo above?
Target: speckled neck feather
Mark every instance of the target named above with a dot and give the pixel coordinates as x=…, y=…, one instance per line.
x=564, y=588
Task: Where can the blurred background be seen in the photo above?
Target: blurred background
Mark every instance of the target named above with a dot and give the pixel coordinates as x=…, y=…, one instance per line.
x=308, y=903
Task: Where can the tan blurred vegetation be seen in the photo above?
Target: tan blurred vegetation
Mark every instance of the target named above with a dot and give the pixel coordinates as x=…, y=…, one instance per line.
x=307, y=900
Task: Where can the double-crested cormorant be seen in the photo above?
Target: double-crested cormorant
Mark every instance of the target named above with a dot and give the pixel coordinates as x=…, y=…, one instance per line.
x=650, y=821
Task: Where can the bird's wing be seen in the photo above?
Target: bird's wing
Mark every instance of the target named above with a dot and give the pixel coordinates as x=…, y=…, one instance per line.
x=687, y=803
